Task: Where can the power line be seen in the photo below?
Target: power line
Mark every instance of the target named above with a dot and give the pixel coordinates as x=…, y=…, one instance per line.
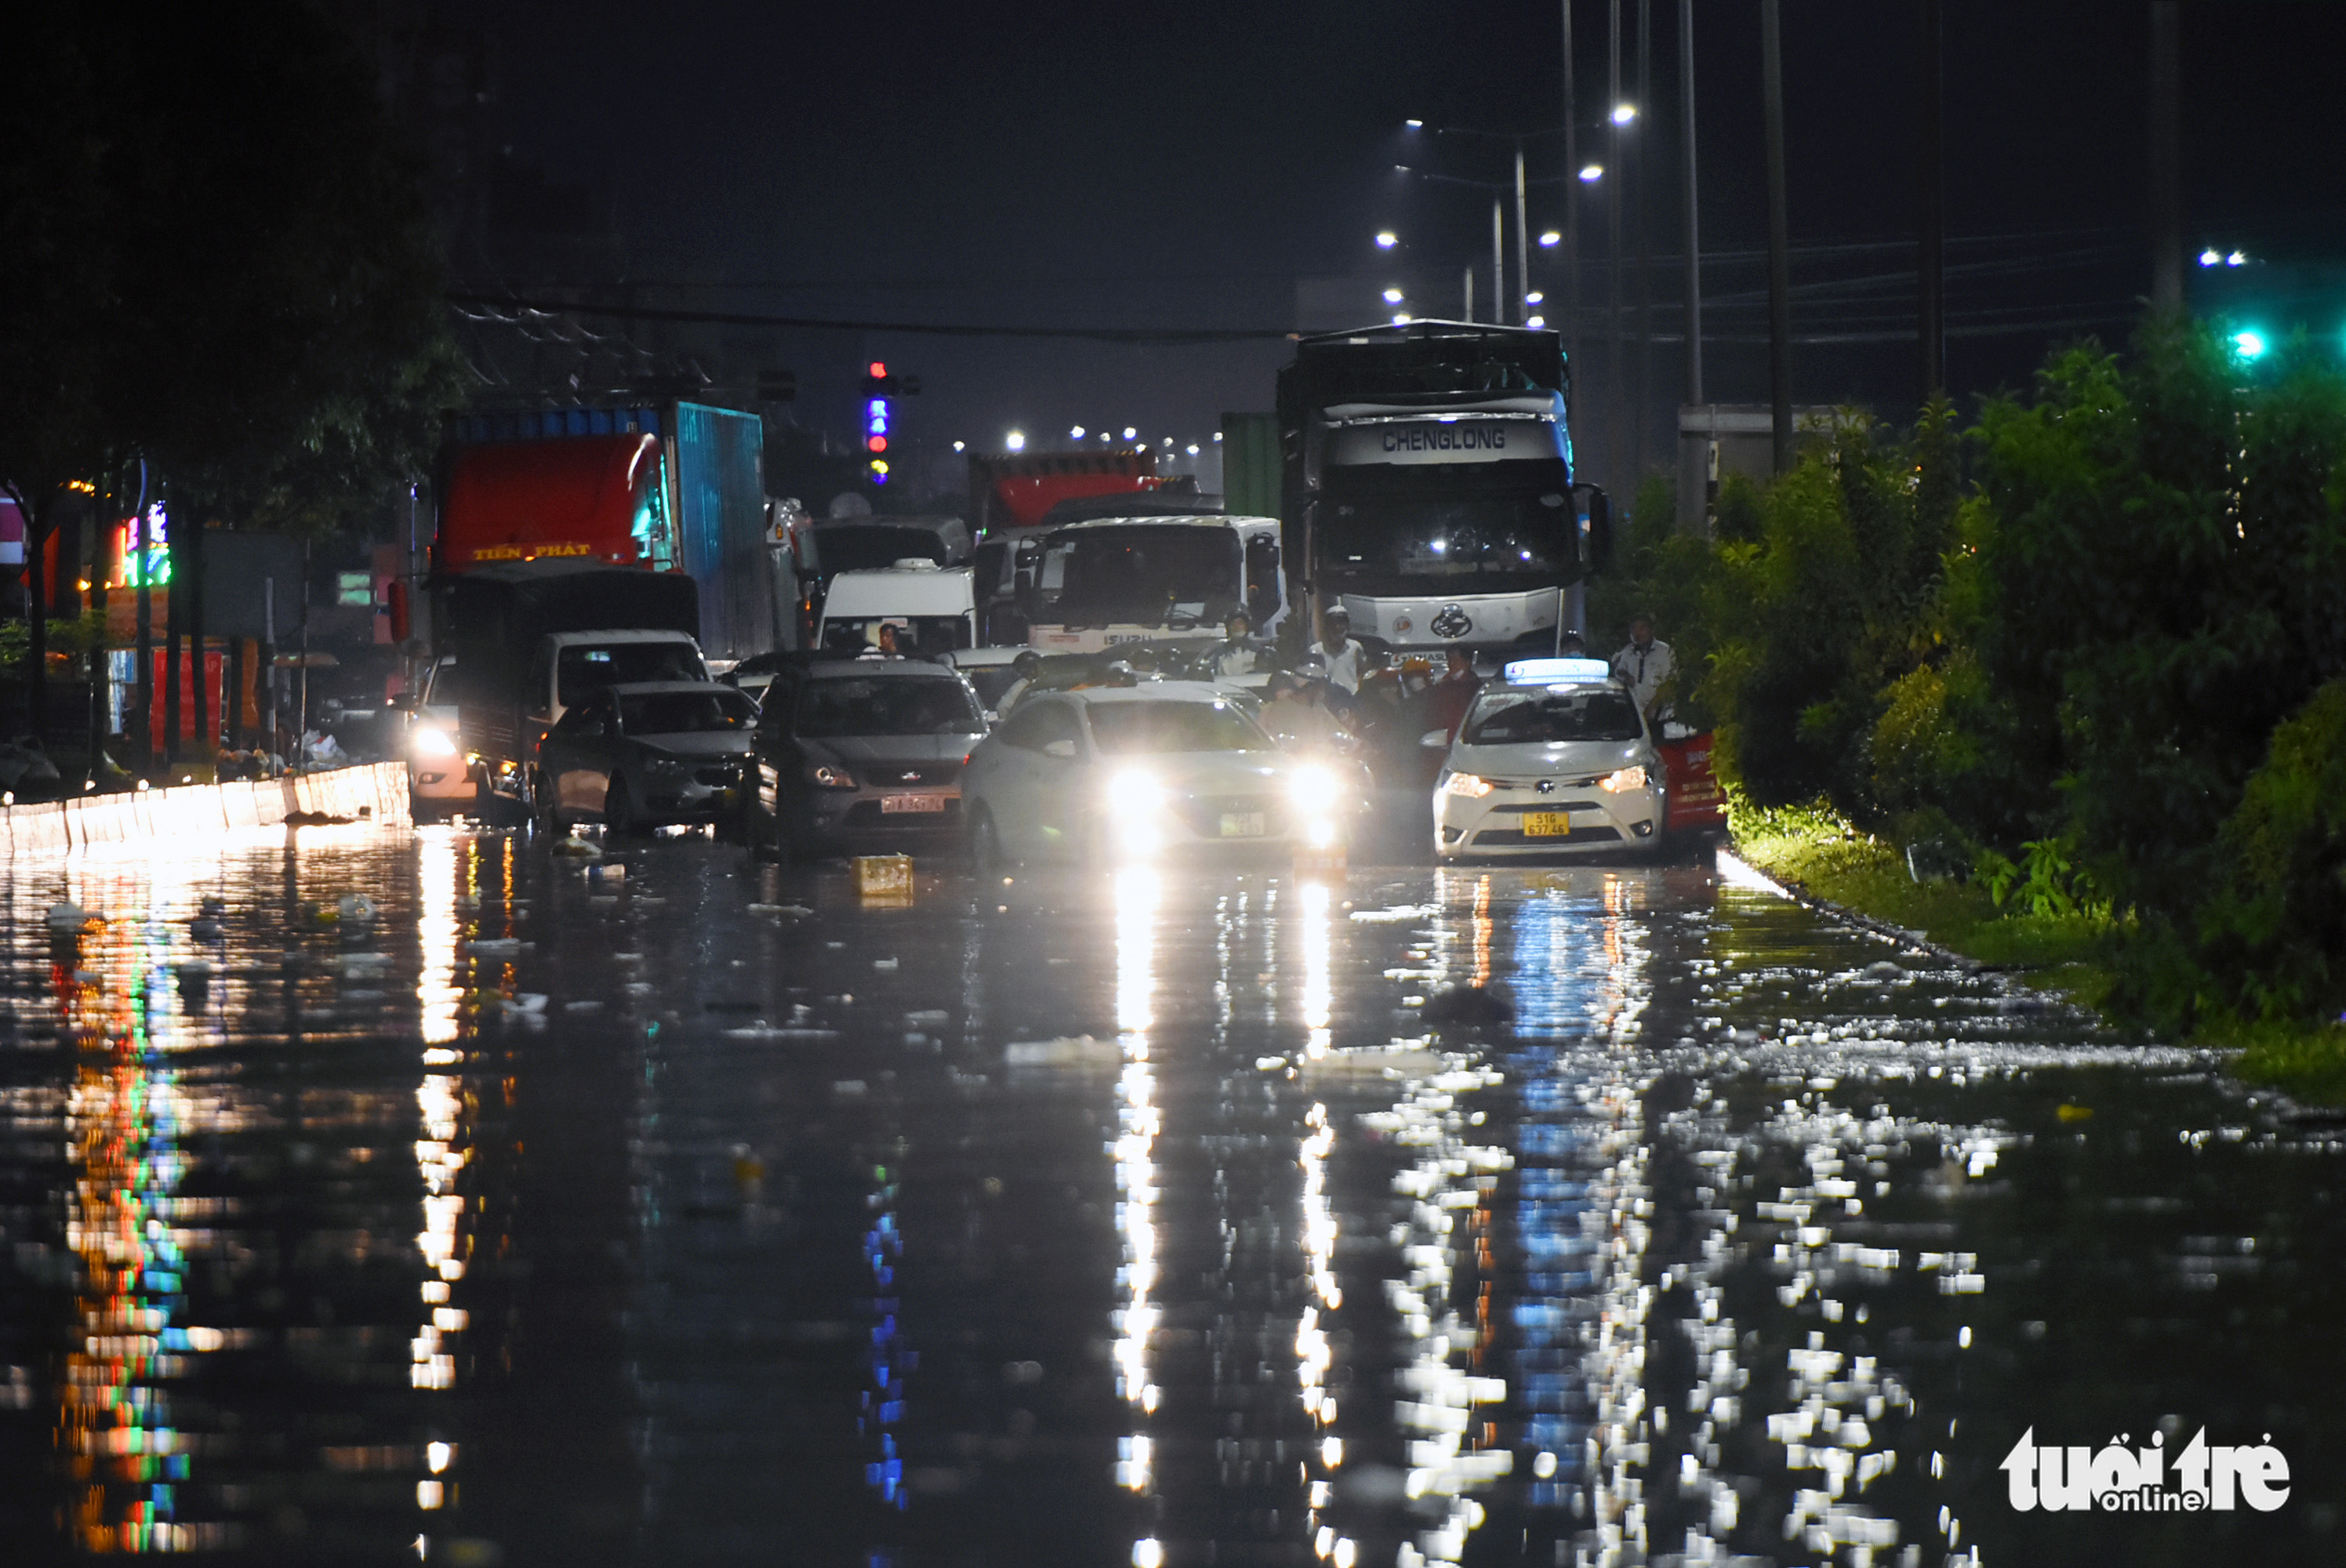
x=1169, y=335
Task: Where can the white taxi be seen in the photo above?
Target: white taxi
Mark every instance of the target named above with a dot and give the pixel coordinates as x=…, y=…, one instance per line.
x=1553, y=757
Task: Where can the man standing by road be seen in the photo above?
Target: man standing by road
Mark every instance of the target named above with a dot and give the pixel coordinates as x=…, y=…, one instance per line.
x=1645, y=664
x=1345, y=657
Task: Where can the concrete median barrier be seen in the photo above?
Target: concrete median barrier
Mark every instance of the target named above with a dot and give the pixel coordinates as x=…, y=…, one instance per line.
x=376, y=792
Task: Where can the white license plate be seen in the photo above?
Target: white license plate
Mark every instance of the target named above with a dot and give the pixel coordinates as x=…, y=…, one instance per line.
x=892, y=804
x=1244, y=825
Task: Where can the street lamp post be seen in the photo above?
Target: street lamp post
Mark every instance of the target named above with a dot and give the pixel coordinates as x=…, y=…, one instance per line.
x=1520, y=186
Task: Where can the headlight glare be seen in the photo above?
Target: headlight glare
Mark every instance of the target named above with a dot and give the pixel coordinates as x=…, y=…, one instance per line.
x=1312, y=788
x=431, y=740
x=1473, y=785
x=1630, y=778
x=1136, y=806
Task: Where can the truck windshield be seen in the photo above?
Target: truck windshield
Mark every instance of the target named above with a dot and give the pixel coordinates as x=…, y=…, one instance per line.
x=1141, y=729
x=685, y=712
x=1137, y=575
x=1514, y=717
x=1384, y=542
x=584, y=668
x=828, y=709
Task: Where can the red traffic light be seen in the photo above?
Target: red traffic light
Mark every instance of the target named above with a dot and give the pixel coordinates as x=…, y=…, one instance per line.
x=877, y=443
x=877, y=369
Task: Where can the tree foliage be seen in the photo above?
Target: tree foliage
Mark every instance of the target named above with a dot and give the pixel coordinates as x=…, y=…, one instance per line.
x=216, y=259
x=2105, y=665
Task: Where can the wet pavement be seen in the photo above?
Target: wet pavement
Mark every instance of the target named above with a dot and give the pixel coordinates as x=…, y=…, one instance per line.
x=481, y=1206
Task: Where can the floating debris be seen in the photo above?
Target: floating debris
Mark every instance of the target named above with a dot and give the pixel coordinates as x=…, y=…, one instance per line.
x=1080, y=1051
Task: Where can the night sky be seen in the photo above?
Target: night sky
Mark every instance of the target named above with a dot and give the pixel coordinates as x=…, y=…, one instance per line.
x=1048, y=165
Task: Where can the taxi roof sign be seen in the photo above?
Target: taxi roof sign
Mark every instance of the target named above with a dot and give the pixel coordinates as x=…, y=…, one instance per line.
x=1545, y=671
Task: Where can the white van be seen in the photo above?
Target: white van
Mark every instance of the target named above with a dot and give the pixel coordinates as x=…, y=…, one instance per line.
x=932, y=610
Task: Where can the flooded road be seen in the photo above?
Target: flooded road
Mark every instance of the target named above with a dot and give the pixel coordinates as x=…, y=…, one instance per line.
x=476, y=1208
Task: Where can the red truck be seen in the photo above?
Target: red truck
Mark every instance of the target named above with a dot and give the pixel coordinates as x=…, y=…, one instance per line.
x=676, y=486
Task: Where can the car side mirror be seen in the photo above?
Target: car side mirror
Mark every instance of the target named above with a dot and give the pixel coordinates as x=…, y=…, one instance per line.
x=1435, y=740
x=1063, y=750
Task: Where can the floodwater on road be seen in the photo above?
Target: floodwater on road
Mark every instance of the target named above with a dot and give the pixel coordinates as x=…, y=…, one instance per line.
x=476, y=1208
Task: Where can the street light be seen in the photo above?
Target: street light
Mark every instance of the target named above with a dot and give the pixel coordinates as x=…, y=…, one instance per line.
x=1130, y=432
x=1624, y=113
x=1075, y=432
x=1387, y=239
x=1393, y=296
x=2211, y=258
x=1414, y=124
x=1590, y=173
x=1016, y=441
x=2249, y=344
x=1550, y=240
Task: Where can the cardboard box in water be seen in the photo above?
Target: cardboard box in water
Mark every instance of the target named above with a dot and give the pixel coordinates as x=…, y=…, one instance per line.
x=883, y=876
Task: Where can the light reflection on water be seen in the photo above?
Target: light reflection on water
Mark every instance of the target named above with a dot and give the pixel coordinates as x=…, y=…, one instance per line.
x=1744, y=1237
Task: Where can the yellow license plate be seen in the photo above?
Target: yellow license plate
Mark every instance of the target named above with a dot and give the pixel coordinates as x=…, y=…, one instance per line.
x=1547, y=824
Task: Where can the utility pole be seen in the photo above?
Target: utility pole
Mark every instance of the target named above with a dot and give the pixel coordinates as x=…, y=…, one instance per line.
x=145, y=608
x=1523, y=245
x=2166, y=155
x=1693, y=212
x=1614, y=449
x=1641, y=384
x=1779, y=281
x=1498, y=263
x=1692, y=337
x=1930, y=304
x=1571, y=219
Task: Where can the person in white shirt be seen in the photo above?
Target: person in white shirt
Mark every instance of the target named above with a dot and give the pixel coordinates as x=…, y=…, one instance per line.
x=1237, y=653
x=1345, y=657
x=1645, y=664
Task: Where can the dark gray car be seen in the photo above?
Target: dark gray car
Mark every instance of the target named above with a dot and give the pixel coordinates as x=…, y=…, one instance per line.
x=648, y=755
x=862, y=755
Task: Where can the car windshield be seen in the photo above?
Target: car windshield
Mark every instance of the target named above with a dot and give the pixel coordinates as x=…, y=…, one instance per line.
x=913, y=634
x=1514, y=716
x=685, y=712
x=1136, y=575
x=909, y=705
x=1139, y=729
x=586, y=668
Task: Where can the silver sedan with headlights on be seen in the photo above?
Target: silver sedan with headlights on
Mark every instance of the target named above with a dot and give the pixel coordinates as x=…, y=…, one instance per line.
x=1169, y=770
x=1551, y=759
